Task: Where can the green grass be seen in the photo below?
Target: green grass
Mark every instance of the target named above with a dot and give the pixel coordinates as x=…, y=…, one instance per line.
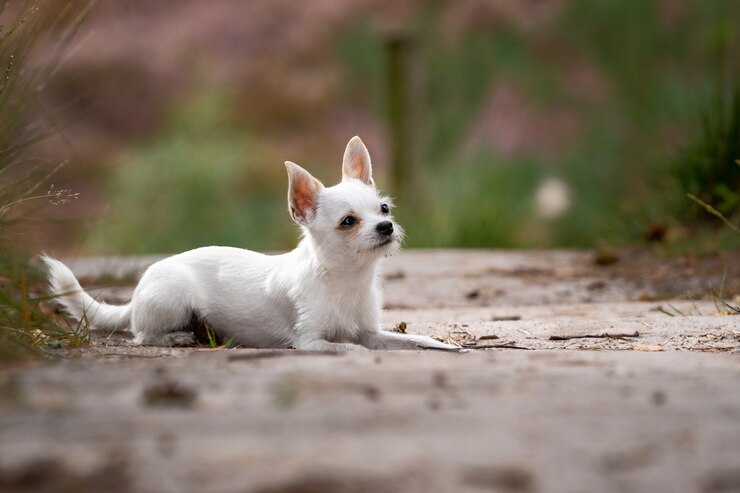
x=27, y=325
x=707, y=167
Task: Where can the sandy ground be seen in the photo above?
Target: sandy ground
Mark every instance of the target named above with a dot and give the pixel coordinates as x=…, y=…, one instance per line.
x=650, y=401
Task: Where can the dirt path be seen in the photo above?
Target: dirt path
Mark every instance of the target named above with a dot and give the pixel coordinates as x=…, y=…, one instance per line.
x=651, y=404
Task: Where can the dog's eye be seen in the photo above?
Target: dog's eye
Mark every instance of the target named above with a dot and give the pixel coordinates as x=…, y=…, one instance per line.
x=348, y=222
x=384, y=208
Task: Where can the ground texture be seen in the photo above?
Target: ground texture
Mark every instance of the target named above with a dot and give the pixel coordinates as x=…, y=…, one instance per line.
x=648, y=401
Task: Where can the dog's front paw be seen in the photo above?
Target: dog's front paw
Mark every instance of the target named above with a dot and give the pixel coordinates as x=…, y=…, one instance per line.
x=430, y=343
x=393, y=340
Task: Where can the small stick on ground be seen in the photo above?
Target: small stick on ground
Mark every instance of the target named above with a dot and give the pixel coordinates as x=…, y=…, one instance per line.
x=506, y=345
x=605, y=335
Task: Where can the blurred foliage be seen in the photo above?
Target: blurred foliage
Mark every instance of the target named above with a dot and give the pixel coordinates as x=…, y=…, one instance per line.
x=201, y=181
x=655, y=76
x=206, y=179
x=707, y=167
x=26, y=27
x=465, y=203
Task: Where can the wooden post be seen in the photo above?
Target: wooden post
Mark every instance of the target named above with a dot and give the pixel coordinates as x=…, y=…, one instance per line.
x=401, y=77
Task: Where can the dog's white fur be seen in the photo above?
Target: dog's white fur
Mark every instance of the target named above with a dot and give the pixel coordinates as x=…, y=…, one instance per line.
x=324, y=295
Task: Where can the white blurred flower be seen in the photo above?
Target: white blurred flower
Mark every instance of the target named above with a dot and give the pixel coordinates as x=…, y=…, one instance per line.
x=552, y=198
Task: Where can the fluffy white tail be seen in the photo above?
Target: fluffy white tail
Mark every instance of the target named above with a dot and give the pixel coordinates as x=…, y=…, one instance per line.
x=80, y=305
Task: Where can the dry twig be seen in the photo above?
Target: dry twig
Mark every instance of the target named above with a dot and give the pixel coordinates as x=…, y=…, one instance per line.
x=605, y=335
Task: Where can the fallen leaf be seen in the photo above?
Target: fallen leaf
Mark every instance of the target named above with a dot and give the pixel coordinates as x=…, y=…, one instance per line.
x=648, y=347
x=494, y=336
x=606, y=255
x=471, y=295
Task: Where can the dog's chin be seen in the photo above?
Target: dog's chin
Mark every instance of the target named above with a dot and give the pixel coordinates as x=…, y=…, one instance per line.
x=384, y=245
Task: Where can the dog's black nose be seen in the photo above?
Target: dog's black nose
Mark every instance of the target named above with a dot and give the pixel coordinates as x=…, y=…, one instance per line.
x=385, y=228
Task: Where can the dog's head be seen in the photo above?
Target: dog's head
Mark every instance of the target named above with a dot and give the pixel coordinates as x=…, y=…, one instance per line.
x=349, y=221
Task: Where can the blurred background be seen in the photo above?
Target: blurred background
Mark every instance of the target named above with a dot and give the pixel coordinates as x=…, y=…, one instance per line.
x=499, y=123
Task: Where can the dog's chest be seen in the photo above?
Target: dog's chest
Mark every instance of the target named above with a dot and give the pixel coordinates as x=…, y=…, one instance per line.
x=350, y=313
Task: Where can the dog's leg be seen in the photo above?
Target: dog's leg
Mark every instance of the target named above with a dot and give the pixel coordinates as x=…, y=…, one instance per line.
x=322, y=345
x=382, y=339
x=161, y=314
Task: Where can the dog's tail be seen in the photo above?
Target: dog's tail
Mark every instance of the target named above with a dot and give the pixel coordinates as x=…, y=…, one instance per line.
x=67, y=290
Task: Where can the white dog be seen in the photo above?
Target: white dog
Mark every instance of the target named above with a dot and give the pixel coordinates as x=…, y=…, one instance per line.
x=324, y=295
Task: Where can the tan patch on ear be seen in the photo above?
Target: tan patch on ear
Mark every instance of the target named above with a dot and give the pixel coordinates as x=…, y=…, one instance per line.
x=356, y=163
x=303, y=193
x=304, y=197
x=359, y=169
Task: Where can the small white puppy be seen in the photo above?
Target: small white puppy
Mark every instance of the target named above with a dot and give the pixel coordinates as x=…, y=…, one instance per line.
x=324, y=295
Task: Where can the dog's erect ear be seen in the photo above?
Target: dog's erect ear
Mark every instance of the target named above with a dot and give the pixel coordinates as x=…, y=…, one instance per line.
x=303, y=193
x=356, y=163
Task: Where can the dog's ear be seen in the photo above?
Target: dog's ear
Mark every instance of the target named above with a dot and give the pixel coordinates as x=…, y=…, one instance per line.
x=356, y=163
x=303, y=194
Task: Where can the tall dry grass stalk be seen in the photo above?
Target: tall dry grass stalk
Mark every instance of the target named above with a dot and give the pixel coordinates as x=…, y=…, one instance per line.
x=34, y=36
